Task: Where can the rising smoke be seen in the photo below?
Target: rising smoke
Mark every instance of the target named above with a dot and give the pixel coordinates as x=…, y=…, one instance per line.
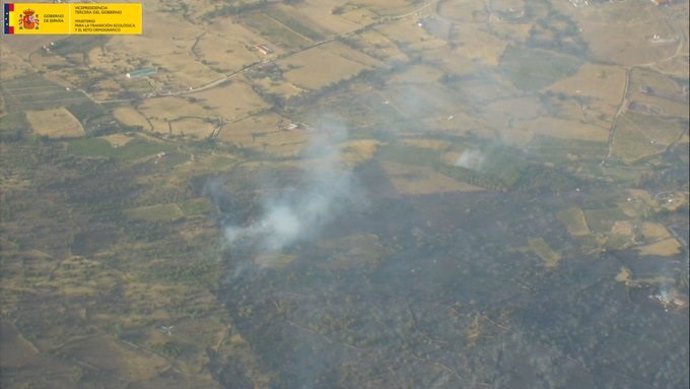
x=298, y=215
x=470, y=159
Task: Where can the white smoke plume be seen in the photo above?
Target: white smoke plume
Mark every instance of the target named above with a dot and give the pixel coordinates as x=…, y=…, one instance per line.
x=470, y=159
x=299, y=214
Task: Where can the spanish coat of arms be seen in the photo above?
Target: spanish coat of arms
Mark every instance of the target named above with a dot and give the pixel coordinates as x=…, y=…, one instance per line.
x=28, y=20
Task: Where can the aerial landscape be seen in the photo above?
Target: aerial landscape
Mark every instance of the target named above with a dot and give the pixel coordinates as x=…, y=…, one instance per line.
x=349, y=194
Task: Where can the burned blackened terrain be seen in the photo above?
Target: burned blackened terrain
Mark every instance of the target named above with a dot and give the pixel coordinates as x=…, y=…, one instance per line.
x=438, y=291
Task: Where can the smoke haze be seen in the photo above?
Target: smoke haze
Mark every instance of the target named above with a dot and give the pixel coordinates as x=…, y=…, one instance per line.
x=298, y=215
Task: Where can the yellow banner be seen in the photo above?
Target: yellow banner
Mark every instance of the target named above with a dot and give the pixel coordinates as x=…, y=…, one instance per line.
x=72, y=18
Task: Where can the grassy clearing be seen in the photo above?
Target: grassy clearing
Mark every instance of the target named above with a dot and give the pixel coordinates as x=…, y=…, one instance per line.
x=98, y=147
x=639, y=136
x=561, y=151
x=601, y=221
x=324, y=65
x=542, y=249
x=35, y=92
x=574, y=221
x=415, y=180
x=664, y=248
x=501, y=168
x=274, y=31
x=14, y=126
x=55, y=123
x=534, y=69
x=294, y=24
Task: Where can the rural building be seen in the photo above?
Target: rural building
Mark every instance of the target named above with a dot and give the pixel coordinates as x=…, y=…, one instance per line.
x=263, y=49
x=143, y=72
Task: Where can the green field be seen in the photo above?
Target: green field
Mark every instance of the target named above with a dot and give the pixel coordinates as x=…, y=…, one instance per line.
x=96, y=147
x=33, y=92
x=534, y=69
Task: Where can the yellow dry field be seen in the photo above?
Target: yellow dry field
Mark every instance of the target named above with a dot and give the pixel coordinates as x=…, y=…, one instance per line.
x=453, y=61
x=512, y=6
x=55, y=123
x=501, y=113
x=274, y=31
x=631, y=143
x=511, y=29
x=549, y=257
x=628, y=31
x=360, y=15
x=164, y=34
x=515, y=33
x=463, y=11
x=131, y=117
x=603, y=85
x=638, y=203
x=317, y=16
x=325, y=65
x=563, y=129
x=666, y=97
x=654, y=231
x=318, y=13
x=105, y=90
x=196, y=9
x=40, y=60
x=263, y=133
x=357, y=152
x=574, y=221
x=415, y=180
x=479, y=45
x=195, y=127
x=665, y=248
x=231, y=100
x=378, y=45
x=229, y=46
x=161, y=111
x=624, y=228
x=117, y=140
x=282, y=89
x=624, y=275
x=406, y=31
x=677, y=66
x=109, y=354
x=20, y=50
x=167, y=44
x=242, y=130
x=182, y=72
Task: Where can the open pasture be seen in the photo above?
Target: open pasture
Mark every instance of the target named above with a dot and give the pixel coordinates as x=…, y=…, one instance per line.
x=659, y=93
x=274, y=31
x=322, y=16
x=629, y=33
x=231, y=100
x=160, y=112
x=324, y=65
x=35, y=92
x=55, y=123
